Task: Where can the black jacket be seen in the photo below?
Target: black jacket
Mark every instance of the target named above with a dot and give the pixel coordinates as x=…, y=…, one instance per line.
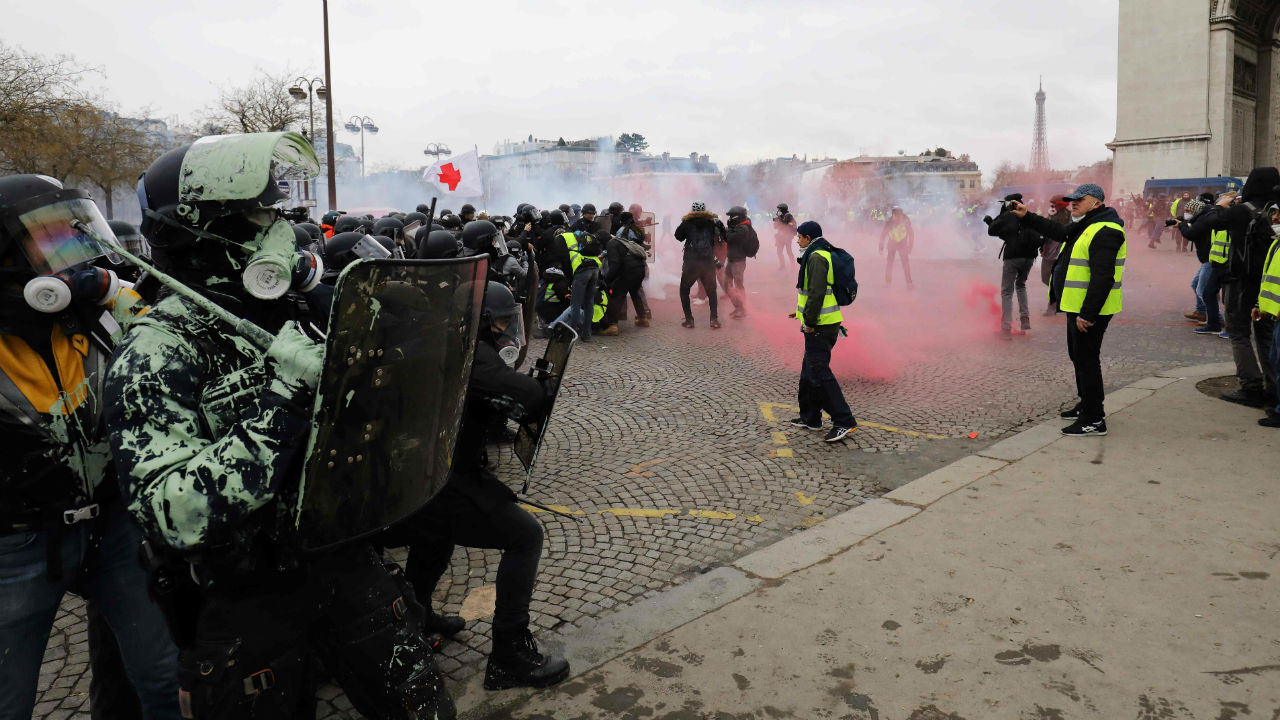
x=1102, y=255
x=1196, y=230
x=623, y=262
x=494, y=389
x=737, y=237
x=1020, y=241
x=699, y=233
x=1248, y=254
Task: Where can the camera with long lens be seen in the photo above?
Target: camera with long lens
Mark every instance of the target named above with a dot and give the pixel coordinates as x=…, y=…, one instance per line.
x=296, y=215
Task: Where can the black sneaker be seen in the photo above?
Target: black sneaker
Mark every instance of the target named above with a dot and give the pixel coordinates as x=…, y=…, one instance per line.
x=837, y=433
x=1071, y=414
x=802, y=423
x=516, y=662
x=1079, y=428
x=1271, y=421
x=444, y=625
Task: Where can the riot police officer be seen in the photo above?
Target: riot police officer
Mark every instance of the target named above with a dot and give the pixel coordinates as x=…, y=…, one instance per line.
x=206, y=431
x=475, y=508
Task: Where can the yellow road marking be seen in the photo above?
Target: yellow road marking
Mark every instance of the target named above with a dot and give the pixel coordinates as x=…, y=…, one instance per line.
x=639, y=512
x=804, y=499
x=558, y=508
x=779, y=438
x=767, y=408
x=753, y=518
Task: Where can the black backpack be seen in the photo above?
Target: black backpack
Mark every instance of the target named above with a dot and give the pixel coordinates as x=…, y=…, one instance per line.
x=844, y=278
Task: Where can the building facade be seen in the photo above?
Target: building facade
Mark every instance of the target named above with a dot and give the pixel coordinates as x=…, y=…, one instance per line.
x=1198, y=89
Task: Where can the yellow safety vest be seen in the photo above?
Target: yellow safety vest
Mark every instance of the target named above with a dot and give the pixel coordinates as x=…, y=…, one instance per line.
x=1269, y=298
x=1219, y=247
x=830, y=313
x=1173, y=209
x=576, y=258
x=898, y=232
x=1078, y=274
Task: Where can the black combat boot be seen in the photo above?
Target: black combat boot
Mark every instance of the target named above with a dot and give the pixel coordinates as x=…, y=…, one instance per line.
x=516, y=662
x=443, y=625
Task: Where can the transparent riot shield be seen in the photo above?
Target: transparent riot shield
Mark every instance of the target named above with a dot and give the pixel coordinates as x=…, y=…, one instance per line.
x=550, y=367
x=648, y=222
x=402, y=336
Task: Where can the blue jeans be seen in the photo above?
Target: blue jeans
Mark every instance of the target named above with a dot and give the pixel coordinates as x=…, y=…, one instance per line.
x=1197, y=282
x=115, y=581
x=582, y=300
x=1210, y=287
x=819, y=389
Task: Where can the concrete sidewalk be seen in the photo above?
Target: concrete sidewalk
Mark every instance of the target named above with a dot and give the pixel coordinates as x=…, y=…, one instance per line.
x=1133, y=575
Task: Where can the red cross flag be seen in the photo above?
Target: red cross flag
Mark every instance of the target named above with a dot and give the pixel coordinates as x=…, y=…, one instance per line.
x=459, y=175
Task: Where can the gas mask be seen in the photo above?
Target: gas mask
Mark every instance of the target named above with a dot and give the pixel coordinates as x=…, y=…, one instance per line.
x=276, y=265
x=510, y=339
x=59, y=255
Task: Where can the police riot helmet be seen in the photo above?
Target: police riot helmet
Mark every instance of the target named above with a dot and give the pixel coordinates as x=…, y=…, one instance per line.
x=130, y=239
x=498, y=303
x=588, y=209
x=564, y=208
x=45, y=261
x=555, y=218
x=411, y=218
x=345, y=248
x=615, y=208
x=451, y=222
x=313, y=230
x=479, y=234
x=737, y=211
x=351, y=223
x=467, y=210
x=423, y=208
x=782, y=207
x=437, y=244
x=388, y=227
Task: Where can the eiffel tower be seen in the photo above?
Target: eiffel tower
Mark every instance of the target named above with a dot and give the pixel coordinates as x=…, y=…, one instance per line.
x=1039, y=144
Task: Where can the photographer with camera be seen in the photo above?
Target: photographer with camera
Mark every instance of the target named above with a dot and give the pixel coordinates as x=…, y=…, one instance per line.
x=1021, y=246
x=1249, y=234
x=1195, y=230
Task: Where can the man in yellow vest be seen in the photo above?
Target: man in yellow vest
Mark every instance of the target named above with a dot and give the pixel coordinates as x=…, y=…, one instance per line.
x=1269, y=306
x=819, y=313
x=1086, y=285
x=900, y=238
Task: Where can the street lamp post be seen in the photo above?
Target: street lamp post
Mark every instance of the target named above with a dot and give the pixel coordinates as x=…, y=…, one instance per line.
x=361, y=124
x=328, y=116
x=437, y=149
x=315, y=88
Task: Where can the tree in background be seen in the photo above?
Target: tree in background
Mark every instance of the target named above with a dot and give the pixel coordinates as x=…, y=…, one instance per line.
x=261, y=105
x=632, y=143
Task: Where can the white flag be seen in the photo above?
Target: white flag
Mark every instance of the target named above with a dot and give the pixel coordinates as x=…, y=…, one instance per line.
x=459, y=175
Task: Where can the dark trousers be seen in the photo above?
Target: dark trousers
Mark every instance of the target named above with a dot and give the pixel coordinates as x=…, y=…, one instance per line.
x=819, y=389
x=111, y=695
x=477, y=510
x=623, y=287
x=1253, y=369
x=344, y=606
x=701, y=271
x=1085, y=351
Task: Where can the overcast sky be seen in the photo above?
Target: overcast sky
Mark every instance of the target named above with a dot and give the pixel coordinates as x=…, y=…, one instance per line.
x=735, y=80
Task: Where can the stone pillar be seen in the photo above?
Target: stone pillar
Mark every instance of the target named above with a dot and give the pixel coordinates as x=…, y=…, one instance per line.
x=1267, y=144
x=1222, y=53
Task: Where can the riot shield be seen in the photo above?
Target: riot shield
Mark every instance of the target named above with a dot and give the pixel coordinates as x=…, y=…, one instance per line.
x=648, y=222
x=550, y=367
x=402, y=336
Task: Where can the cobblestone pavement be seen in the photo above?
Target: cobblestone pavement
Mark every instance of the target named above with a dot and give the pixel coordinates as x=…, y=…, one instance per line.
x=670, y=449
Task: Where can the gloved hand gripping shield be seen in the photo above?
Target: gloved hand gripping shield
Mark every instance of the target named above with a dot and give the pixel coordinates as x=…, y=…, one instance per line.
x=549, y=370
x=397, y=362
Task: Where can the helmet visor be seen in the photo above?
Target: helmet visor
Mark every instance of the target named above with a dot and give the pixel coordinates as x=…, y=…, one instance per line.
x=47, y=239
x=511, y=338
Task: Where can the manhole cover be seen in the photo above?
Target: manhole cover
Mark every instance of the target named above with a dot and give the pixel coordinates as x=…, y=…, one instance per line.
x=1213, y=387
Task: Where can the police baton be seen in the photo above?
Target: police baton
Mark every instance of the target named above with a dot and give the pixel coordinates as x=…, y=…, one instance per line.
x=259, y=337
